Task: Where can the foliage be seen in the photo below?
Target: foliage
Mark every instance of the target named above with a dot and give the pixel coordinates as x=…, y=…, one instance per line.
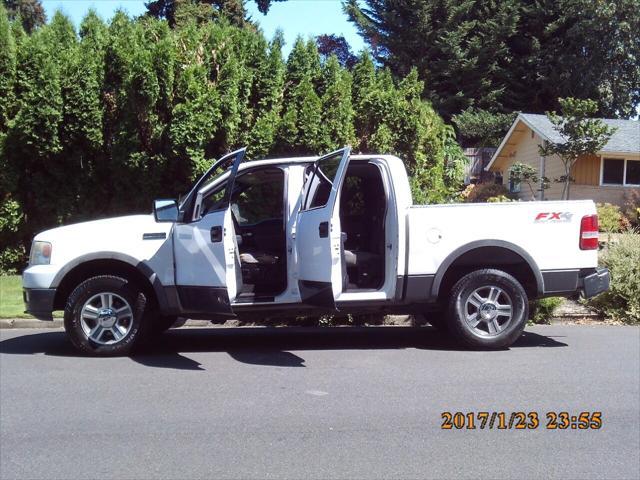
x=445, y=40
x=509, y=55
x=524, y=173
x=631, y=208
x=483, y=192
x=541, y=310
x=99, y=123
x=30, y=12
x=581, y=135
x=500, y=199
x=176, y=11
x=11, y=219
x=481, y=128
x=336, y=45
x=622, y=300
x=610, y=218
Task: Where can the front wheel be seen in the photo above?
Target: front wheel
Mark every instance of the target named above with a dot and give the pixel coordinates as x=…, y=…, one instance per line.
x=105, y=315
x=487, y=309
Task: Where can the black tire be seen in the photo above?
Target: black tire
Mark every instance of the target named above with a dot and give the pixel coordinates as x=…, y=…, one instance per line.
x=137, y=322
x=461, y=305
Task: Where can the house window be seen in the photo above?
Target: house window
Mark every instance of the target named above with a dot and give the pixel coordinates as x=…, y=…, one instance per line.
x=633, y=172
x=618, y=171
x=613, y=171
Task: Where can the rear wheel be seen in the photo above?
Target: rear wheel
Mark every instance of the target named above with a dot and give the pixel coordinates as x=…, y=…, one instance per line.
x=487, y=309
x=105, y=315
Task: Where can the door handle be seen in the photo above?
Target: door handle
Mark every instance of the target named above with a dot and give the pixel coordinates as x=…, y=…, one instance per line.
x=216, y=234
x=323, y=229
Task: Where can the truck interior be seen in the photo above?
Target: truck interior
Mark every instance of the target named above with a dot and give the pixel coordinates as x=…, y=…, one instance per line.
x=257, y=209
x=258, y=206
x=363, y=208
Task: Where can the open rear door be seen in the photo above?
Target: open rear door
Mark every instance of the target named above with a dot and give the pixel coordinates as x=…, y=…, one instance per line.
x=207, y=263
x=318, y=232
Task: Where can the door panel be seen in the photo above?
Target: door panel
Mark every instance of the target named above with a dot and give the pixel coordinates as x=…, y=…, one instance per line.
x=318, y=232
x=208, y=273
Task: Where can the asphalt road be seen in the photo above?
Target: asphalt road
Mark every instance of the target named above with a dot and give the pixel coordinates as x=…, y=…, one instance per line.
x=321, y=403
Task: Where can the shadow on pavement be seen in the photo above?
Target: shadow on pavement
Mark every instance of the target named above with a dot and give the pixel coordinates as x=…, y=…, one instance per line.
x=262, y=345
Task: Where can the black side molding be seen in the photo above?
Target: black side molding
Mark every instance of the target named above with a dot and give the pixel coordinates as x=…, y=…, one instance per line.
x=209, y=300
x=154, y=236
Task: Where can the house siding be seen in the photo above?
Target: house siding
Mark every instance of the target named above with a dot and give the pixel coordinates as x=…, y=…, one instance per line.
x=586, y=170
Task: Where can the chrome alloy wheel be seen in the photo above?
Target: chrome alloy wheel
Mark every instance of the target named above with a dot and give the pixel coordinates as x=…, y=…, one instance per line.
x=106, y=318
x=488, y=311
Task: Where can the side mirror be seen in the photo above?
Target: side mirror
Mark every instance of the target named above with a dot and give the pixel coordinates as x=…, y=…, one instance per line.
x=165, y=210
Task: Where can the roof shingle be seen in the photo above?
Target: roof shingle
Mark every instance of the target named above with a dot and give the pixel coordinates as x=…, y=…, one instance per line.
x=625, y=139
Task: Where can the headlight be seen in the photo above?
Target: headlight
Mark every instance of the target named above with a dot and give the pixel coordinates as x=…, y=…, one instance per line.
x=40, y=253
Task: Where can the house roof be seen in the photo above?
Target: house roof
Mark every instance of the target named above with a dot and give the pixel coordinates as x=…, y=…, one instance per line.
x=626, y=138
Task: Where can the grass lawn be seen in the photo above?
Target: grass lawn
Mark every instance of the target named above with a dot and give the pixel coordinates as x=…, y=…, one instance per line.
x=11, y=304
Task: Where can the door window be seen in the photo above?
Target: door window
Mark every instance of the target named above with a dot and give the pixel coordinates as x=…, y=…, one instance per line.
x=321, y=180
x=193, y=207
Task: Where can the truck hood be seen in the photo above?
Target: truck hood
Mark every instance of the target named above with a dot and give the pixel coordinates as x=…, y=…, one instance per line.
x=137, y=237
x=129, y=226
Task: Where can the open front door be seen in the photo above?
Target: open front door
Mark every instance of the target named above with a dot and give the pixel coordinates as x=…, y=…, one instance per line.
x=207, y=264
x=318, y=232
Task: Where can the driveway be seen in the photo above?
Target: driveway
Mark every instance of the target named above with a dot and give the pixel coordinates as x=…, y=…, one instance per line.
x=318, y=403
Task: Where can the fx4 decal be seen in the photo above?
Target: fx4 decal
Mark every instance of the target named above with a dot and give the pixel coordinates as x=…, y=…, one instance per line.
x=546, y=217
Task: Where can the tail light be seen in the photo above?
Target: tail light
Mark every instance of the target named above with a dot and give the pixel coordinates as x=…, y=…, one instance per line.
x=589, y=232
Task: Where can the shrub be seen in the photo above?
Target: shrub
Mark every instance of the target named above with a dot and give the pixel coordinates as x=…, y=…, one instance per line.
x=483, y=192
x=541, y=311
x=609, y=218
x=631, y=208
x=622, y=300
x=500, y=199
x=12, y=256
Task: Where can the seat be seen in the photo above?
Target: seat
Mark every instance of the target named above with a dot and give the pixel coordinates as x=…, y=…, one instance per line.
x=258, y=258
x=356, y=259
x=364, y=268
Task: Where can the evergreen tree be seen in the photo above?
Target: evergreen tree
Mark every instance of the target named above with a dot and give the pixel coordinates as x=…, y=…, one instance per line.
x=7, y=71
x=29, y=12
x=267, y=96
x=32, y=142
x=502, y=56
x=203, y=9
x=337, y=127
x=458, y=47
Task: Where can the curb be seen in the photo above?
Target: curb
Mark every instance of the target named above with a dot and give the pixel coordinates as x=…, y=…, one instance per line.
x=6, y=323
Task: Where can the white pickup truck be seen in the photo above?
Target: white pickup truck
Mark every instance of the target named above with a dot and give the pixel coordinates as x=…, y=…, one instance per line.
x=300, y=236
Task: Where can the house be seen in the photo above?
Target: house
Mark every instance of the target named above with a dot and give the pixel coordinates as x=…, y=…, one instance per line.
x=603, y=177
